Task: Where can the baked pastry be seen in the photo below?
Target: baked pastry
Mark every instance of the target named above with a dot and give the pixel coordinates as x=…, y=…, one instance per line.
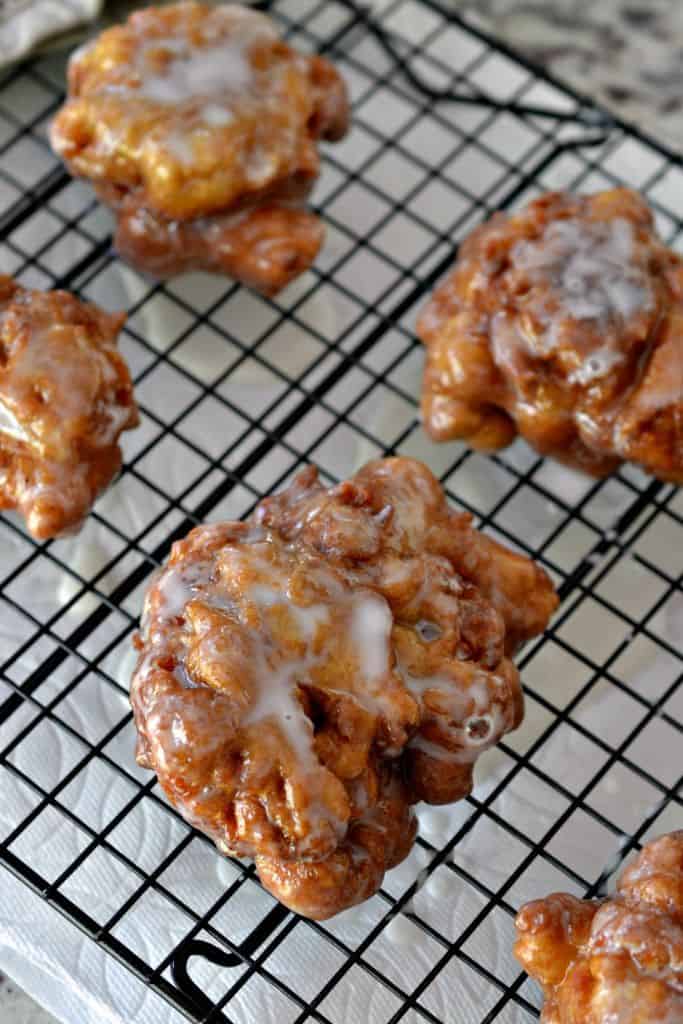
x=306, y=676
x=563, y=322
x=199, y=127
x=65, y=397
x=613, y=961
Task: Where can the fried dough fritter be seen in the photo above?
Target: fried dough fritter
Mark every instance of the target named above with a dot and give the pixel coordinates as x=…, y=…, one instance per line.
x=189, y=119
x=563, y=323
x=265, y=248
x=65, y=397
x=306, y=676
x=613, y=961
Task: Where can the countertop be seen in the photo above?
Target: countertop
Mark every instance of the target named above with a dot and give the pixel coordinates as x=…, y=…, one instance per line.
x=626, y=54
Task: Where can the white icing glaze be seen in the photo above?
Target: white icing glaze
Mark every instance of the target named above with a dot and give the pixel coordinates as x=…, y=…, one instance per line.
x=213, y=114
x=260, y=166
x=642, y=868
x=284, y=595
x=419, y=685
x=10, y=425
x=214, y=70
x=507, y=347
x=364, y=614
x=38, y=366
x=476, y=720
x=114, y=418
x=307, y=619
x=179, y=146
x=180, y=585
x=371, y=622
x=61, y=364
x=592, y=266
x=597, y=364
x=224, y=68
x=276, y=698
x=596, y=273
x=617, y=931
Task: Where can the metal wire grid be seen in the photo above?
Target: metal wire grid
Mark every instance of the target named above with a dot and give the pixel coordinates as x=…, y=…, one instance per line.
x=328, y=373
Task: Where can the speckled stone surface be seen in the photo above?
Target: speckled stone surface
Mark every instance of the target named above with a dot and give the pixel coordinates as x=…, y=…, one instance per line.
x=626, y=54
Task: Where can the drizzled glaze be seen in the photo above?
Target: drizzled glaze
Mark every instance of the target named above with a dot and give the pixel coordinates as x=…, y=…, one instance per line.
x=173, y=72
x=592, y=265
x=212, y=113
x=183, y=64
x=222, y=70
x=320, y=640
x=65, y=397
x=56, y=375
x=189, y=115
x=598, y=364
x=371, y=624
x=563, y=322
x=296, y=637
x=595, y=273
x=193, y=108
x=478, y=709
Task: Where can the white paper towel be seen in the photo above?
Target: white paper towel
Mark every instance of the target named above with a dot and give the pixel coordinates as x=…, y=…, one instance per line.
x=69, y=973
x=26, y=23
x=72, y=977
x=78, y=982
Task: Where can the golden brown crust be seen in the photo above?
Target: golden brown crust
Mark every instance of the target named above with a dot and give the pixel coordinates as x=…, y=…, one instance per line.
x=378, y=839
x=615, y=961
x=264, y=248
x=305, y=677
x=189, y=114
x=65, y=397
x=562, y=322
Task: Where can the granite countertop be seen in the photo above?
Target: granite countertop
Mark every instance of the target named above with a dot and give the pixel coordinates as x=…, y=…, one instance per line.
x=626, y=54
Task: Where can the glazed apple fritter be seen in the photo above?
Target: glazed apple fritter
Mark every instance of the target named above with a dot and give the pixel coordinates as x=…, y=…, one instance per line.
x=563, y=323
x=306, y=676
x=65, y=397
x=199, y=127
x=613, y=961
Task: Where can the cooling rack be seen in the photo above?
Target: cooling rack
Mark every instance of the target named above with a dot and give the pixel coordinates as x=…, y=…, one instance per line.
x=236, y=393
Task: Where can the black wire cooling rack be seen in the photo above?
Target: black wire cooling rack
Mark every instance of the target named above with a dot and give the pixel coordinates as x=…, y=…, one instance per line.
x=236, y=393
